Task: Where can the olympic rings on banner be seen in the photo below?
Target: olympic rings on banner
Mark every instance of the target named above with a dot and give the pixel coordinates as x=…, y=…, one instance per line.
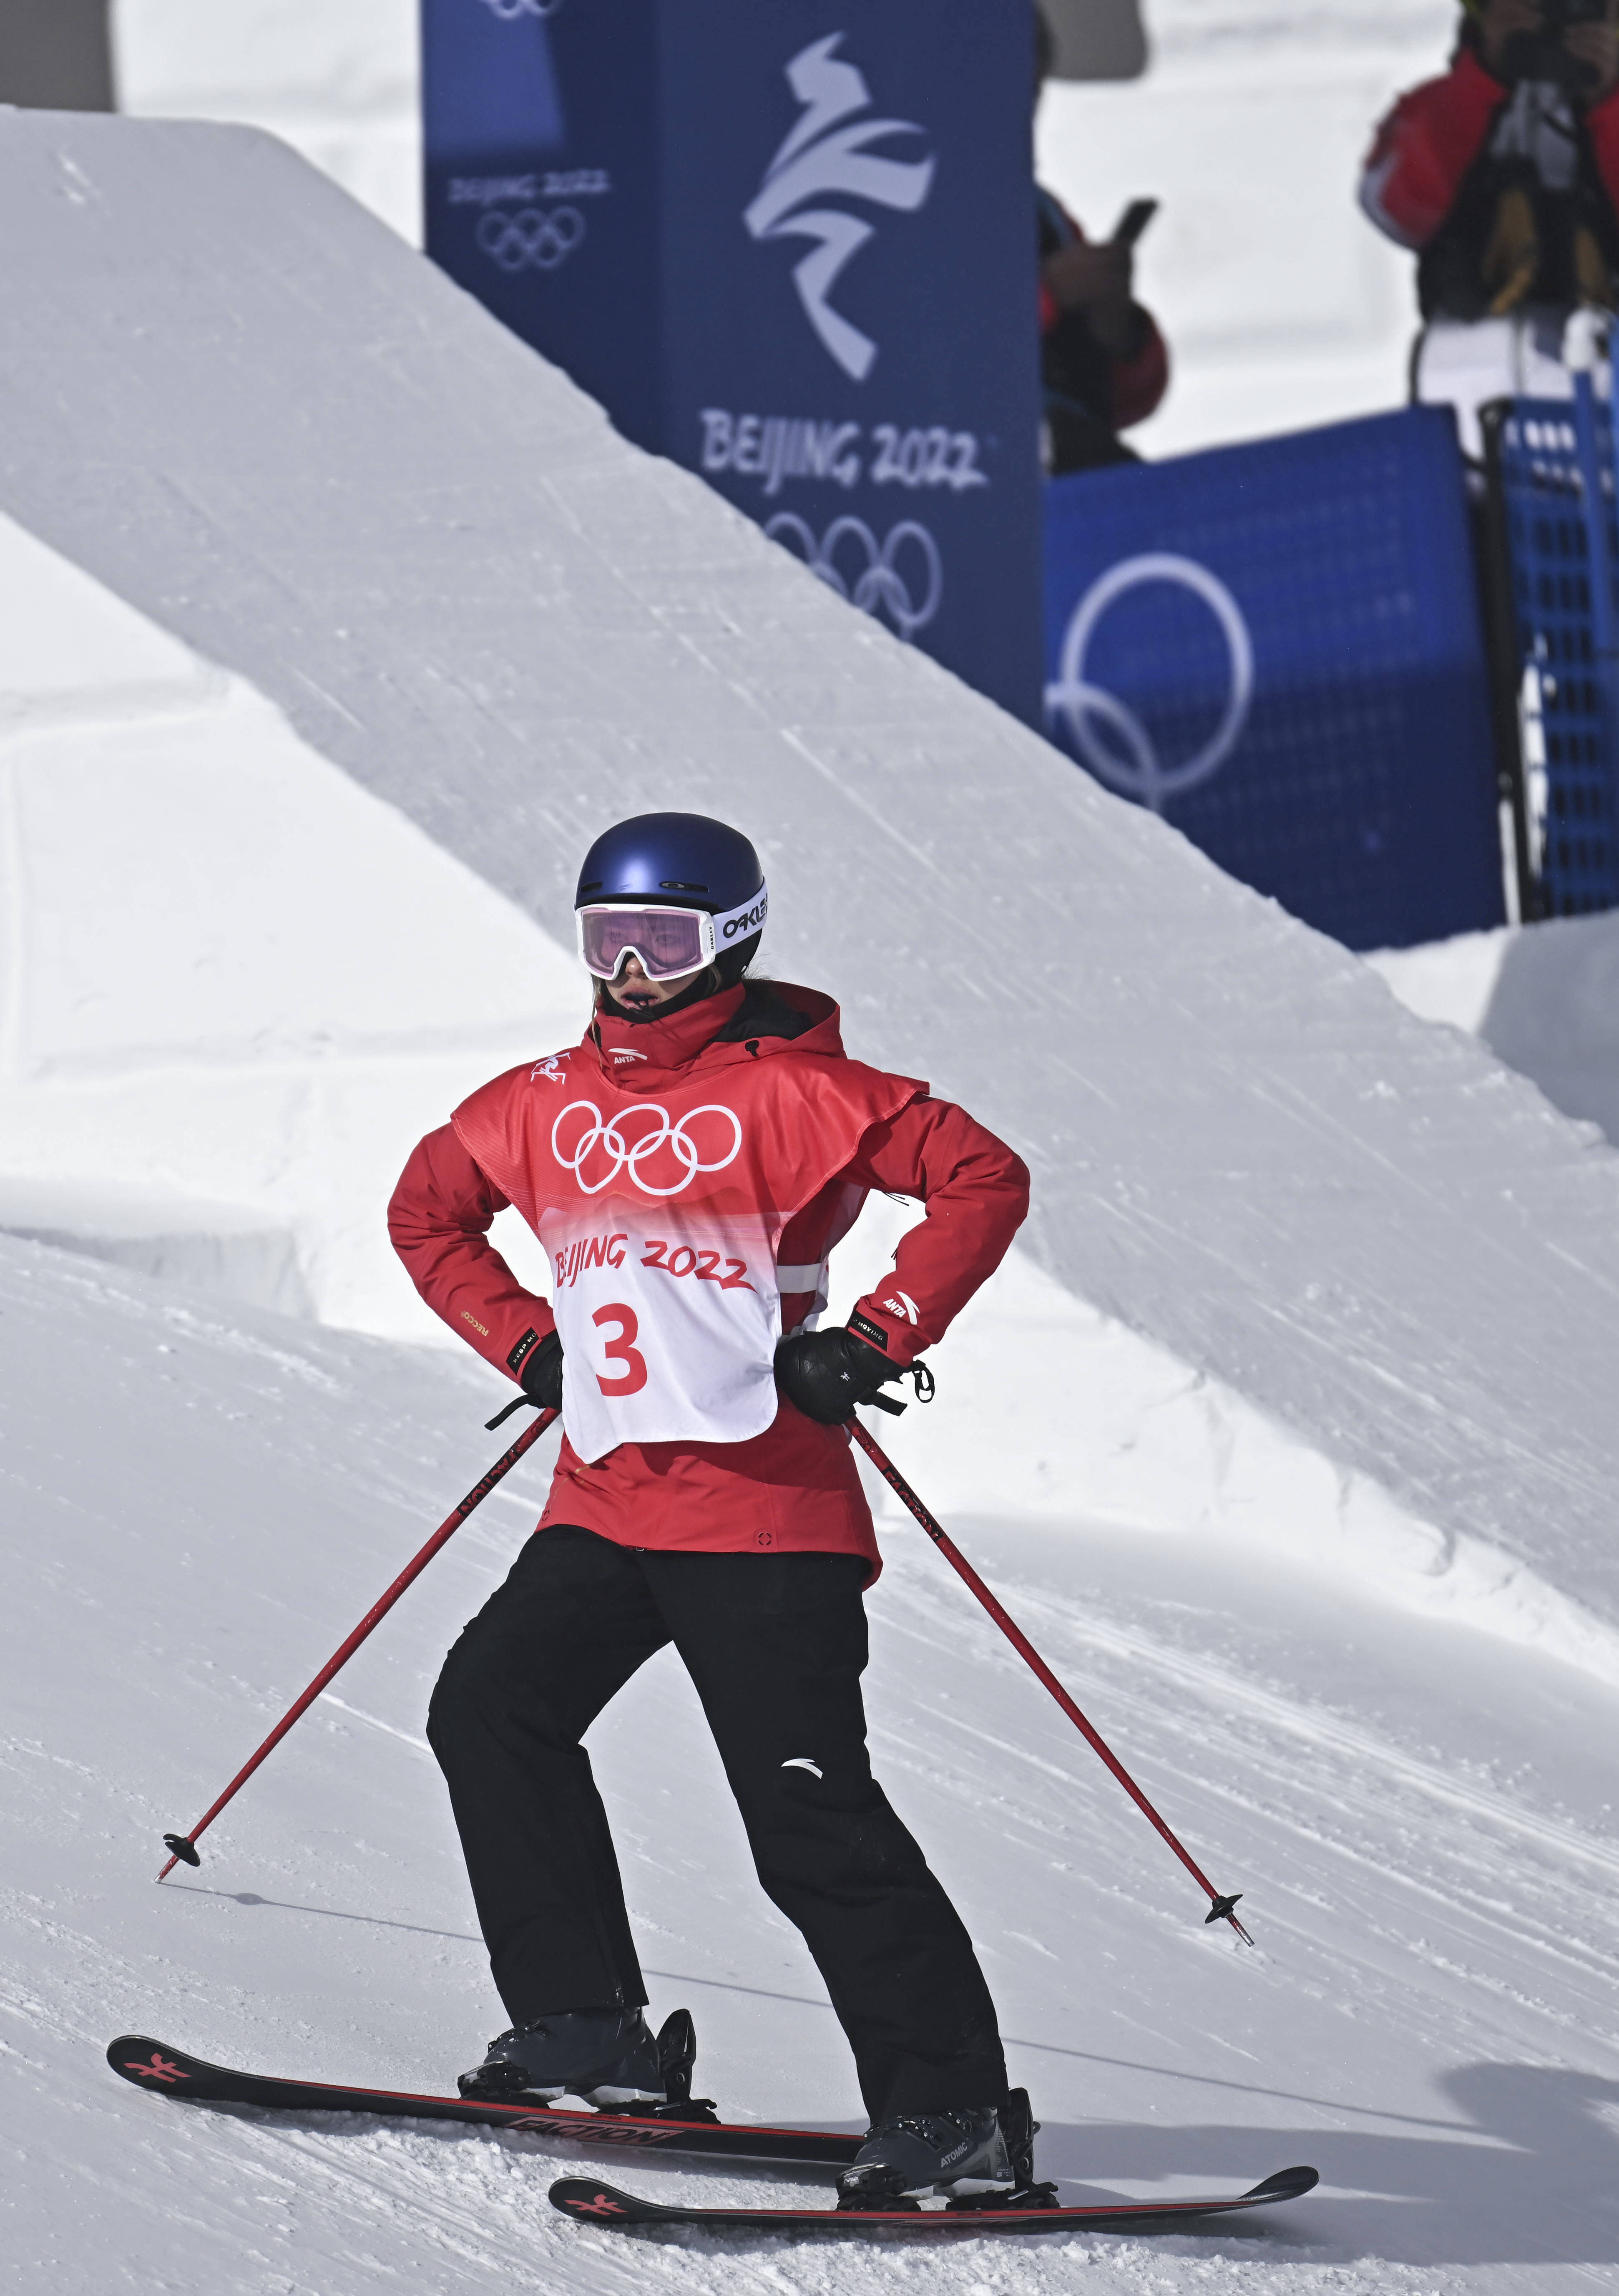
x=509, y=10
x=1080, y=706
x=606, y=1136
x=878, y=586
x=533, y=239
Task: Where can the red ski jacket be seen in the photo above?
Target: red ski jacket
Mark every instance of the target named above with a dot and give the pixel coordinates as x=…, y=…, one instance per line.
x=776, y=1139
x=1426, y=146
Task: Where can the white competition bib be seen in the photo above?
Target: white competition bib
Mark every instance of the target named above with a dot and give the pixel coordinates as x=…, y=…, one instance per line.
x=668, y=1321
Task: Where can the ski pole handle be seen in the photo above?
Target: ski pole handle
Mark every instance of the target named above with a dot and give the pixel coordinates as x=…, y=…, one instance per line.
x=183, y=1847
x=1221, y=1908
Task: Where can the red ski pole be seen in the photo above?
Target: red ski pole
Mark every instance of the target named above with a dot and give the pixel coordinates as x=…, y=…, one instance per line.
x=1221, y=1909
x=184, y=1846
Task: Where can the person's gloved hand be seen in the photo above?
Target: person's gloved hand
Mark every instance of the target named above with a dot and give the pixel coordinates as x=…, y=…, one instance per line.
x=825, y=1374
x=542, y=1374
x=1597, y=47
x=1501, y=23
x=1097, y=277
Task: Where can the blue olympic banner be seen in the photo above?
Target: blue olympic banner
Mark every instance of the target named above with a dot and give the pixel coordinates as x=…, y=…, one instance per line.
x=1279, y=647
x=790, y=245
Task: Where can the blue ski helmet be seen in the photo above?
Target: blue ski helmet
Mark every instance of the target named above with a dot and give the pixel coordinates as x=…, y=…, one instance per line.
x=683, y=861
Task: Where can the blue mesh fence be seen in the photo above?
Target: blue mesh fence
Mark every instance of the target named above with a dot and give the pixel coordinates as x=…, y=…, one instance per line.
x=1555, y=461
x=1278, y=648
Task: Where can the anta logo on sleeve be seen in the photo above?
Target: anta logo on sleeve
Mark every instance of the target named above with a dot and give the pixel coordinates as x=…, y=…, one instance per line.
x=828, y=158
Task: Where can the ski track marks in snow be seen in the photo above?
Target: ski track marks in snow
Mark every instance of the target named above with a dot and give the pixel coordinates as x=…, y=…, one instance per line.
x=1414, y=1811
x=1496, y=1874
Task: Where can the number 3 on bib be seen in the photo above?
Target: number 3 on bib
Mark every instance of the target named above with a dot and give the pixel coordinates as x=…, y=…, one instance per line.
x=620, y=1349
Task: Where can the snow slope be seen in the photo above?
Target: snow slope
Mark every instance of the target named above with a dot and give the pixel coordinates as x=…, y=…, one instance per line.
x=434, y=557
x=236, y=987
x=200, y=1499
x=1544, y=999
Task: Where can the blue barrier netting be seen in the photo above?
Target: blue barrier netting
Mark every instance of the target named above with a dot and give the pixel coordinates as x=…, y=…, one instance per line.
x=1554, y=463
x=1279, y=647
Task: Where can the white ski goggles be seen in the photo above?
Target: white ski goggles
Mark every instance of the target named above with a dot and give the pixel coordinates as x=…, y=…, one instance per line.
x=667, y=942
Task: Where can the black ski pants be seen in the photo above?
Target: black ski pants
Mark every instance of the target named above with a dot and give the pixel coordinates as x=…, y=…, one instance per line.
x=775, y=1645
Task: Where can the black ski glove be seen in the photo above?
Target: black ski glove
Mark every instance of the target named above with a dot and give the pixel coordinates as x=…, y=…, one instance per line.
x=826, y=1373
x=540, y=1379
x=542, y=1374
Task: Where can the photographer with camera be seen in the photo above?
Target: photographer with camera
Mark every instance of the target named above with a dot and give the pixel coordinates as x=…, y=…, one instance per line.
x=1503, y=176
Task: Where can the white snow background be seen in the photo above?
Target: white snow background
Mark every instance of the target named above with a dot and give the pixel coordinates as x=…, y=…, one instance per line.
x=239, y=977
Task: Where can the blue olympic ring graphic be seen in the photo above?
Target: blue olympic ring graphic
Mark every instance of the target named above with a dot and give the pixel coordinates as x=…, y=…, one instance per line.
x=1082, y=706
x=531, y=239
x=509, y=10
x=879, y=585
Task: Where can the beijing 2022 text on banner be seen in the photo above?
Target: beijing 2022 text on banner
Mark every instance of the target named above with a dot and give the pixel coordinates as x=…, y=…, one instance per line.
x=790, y=244
x=1278, y=648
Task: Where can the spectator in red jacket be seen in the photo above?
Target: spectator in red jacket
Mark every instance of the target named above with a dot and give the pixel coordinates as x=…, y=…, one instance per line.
x=1503, y=176
x=1103, y=364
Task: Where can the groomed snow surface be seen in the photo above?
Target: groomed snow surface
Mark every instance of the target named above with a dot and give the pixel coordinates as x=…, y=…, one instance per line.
x=1545, y=1000
x=201, y=1500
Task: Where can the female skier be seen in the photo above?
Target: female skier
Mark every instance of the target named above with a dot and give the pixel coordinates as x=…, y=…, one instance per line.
x=688, y=1166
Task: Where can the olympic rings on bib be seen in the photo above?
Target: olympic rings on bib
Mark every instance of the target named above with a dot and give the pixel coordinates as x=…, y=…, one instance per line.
x=632, y=1154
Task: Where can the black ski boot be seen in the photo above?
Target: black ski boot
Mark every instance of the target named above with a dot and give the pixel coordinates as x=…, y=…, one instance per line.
x=928, y=2153
x=607, y=2057
x=986, y=2155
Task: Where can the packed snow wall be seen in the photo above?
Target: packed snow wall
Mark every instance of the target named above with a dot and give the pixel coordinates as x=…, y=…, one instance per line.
x=248, y=408
x=235, y=985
